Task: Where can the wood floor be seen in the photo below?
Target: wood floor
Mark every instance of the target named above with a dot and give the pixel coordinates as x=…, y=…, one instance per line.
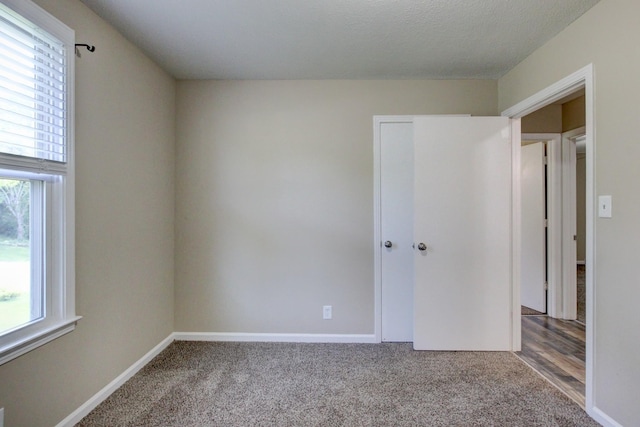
x=556, y=349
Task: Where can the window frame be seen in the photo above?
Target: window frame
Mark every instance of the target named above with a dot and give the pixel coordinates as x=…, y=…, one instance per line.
x=58, y=245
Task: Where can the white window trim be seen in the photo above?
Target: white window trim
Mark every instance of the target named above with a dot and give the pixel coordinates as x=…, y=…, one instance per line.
x=60, y=241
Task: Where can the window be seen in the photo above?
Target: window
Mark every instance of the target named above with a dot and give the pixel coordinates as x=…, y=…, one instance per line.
x=37, y=281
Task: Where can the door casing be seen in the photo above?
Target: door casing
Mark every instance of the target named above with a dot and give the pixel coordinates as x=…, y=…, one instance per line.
x=569, y=283
x=581, y=79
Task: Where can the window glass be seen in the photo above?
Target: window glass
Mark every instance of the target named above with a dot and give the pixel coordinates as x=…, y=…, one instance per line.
x=20, y=292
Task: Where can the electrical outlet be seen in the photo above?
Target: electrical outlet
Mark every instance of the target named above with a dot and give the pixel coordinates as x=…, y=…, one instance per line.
x=326, y=312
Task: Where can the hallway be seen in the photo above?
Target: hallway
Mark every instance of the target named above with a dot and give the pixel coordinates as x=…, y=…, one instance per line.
x=556, y=349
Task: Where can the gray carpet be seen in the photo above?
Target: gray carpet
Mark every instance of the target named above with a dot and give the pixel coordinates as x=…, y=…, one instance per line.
x=278, y=384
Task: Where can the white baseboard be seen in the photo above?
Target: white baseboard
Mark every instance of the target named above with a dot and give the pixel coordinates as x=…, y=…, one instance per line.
x=256, y=337
x=603, y=418
x=100, y=396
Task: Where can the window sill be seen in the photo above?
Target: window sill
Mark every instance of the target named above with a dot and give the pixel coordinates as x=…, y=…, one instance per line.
x=37, y=339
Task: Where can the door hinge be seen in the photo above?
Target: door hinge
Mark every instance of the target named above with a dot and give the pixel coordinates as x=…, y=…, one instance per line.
x=546, y=286
x=546, y=160
x=546, y=223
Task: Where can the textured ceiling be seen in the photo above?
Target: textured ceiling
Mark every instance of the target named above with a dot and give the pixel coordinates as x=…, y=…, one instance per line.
x=338, y=39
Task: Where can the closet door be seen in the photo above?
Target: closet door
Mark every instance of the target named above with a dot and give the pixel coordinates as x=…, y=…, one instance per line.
x=396, y=213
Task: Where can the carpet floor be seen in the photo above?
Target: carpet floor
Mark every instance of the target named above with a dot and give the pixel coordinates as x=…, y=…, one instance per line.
x=285, y=384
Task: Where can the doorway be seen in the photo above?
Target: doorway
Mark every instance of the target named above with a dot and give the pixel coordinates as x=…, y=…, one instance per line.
x=547, y=225
x=579, y=344
x=537, y=232
x=553, y=342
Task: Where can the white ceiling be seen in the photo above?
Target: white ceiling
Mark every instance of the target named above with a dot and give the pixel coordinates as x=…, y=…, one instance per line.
x=338, y=39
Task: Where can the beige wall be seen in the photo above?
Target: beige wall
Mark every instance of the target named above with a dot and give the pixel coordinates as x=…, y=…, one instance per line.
x=556, y=118
x=275, y=198
x=545, y=120
x=573, y=115
x=124, y=228
x=274, y=205
x=604, y=36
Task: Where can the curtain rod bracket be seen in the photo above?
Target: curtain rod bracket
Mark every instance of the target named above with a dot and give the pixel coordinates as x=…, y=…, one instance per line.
x=90, y=48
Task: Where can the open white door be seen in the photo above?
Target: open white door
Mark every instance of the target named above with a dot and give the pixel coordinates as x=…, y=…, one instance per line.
x=533, y=198
x=462, y=229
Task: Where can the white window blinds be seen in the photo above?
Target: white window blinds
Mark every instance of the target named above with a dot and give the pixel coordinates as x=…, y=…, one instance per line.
x=33, y=104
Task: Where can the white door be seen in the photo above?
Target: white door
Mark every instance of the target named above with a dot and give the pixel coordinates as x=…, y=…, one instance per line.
x=462, y=216
x=533, y=196
x=396, y=220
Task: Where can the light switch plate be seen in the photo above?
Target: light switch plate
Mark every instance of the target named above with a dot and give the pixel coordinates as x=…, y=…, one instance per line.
x=604, y=207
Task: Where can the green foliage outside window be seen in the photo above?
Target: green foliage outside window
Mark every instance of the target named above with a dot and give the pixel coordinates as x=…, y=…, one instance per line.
x=14, y=211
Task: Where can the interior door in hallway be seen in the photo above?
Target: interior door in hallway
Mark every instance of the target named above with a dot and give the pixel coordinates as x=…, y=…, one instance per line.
x=533, y=197
x=462, y=232
x=396, y=197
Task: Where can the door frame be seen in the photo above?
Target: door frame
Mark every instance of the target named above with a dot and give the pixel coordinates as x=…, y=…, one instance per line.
x=569, y=224
x=583, y=78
